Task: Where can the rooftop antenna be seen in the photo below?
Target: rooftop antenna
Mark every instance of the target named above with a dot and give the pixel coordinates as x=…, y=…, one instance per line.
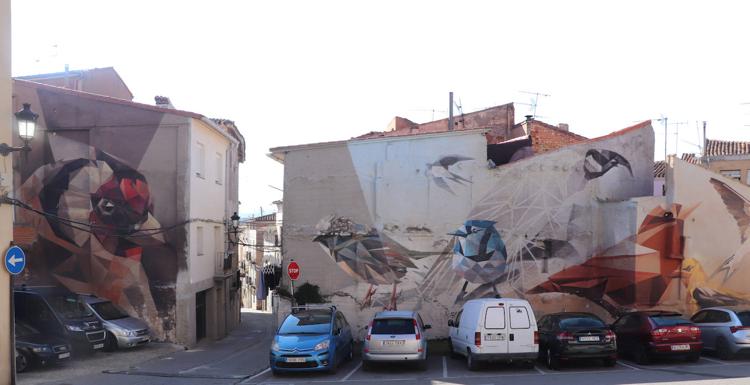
x=677, y=136
x=460, y=111
x=534, y=101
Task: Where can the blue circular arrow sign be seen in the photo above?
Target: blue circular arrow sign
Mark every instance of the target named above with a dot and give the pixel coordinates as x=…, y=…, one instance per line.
x=15, y=260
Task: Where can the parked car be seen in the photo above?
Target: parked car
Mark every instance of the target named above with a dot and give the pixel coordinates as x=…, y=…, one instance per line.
x=57, y=311
x=312, y=339
x=123, y=331
x=395, y=336
x=724, y=330
x=567, y=336
x=492, y=329
x=646, y=334
x=33, y=347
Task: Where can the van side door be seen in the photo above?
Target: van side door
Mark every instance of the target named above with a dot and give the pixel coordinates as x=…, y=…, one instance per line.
x=521, y=331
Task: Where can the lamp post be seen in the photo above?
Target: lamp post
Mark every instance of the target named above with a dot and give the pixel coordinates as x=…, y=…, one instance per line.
x=26, y=120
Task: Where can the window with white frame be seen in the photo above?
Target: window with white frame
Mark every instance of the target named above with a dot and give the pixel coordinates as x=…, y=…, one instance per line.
x=200, y=160
x=199, y=240
x=219, y=168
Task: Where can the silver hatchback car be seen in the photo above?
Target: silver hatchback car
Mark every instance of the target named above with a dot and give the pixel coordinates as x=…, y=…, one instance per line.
x=395, y=336
x=724, y=330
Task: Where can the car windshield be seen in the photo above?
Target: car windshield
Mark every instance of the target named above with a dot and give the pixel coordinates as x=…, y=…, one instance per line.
x=23, y=330
x=393, y=326
x=744, y=317
x=581, y=322
x=669, y=320
x=307, y=322
x=108, y=311
x=69, y=306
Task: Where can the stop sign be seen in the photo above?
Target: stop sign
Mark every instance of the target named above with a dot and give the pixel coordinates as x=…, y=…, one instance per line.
x=293, y=270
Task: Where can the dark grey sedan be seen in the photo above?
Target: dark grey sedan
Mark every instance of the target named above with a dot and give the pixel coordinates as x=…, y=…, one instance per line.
x=123, y=331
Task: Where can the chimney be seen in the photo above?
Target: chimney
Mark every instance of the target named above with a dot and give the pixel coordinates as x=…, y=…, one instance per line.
x=529, y=117
x=163, y=102
x=563, y=126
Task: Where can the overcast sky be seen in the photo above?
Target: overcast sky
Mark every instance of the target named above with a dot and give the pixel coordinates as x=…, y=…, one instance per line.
x=294, y=72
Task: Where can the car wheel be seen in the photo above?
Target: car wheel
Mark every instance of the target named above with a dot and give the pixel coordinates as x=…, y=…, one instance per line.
x=22, y=361
x=609, y=362
x=471, y=362
x=722, y=349
x=640, y=355
x=351, y=352
x=552, y=361
x=110, y=344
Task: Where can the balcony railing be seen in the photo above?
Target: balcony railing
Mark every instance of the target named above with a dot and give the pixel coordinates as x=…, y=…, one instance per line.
x=222, y=264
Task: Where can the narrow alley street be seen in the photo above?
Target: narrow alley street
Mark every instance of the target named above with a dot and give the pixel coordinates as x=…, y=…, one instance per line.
x=240, y=355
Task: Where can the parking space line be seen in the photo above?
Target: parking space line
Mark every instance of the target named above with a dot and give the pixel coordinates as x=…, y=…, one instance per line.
x=627, y=366
x=247, y=380
x=539, y=370
x=352, y=372
x=445, y=368
x=715, y=361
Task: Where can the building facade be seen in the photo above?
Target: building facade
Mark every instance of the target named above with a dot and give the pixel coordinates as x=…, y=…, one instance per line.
x=6, y=211
x=260, y=248
x=426, y=221
x=131, y=202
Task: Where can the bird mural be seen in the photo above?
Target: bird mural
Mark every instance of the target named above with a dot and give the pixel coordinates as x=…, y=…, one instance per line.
x=635, y=272
x=366, y=255
x=440, y=172
x=706, y=291
x=598, y=162
x=739, y=207
x=479, y=255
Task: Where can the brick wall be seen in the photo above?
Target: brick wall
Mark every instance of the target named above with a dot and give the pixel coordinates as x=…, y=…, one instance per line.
x=546, y=137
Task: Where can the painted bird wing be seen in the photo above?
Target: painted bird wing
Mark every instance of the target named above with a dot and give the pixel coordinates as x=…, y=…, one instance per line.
x=440, y=182
x=450, y=160
x=737, y=205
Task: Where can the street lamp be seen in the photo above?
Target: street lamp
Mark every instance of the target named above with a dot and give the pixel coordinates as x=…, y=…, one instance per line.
x=235, y=224
x=26, y=127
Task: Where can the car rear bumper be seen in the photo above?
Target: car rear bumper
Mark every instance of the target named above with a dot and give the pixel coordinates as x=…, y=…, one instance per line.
x=394, y=356
x=666, y=349
x=505, y=356
x=588, y=351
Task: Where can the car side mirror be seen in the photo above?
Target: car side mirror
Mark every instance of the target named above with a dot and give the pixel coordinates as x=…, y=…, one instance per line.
x=450, y=323
x=338, y=331
x=427, y=327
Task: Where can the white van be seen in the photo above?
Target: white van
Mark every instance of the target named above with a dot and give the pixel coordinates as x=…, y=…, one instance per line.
x=495, y=329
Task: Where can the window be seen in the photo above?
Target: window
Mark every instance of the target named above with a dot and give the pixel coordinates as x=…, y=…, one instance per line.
x=218, y=240
x=494, y=318
x=519, y=318
x=200, y=160
x=219, y=169
x=458, y=318
x=199, y=239
x=733, y=174
x=393, y=326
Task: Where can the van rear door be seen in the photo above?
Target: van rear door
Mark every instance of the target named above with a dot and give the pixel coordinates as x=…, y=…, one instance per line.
x=521, y=332
x=494, y=330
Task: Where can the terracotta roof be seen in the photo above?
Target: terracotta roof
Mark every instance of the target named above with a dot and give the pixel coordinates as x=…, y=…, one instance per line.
x=691, y=158
x=726, y=147
x=441, y=125
x=660, y=169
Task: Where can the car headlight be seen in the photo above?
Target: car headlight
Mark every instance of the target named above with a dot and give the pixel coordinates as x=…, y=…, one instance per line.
x=74, y=328
x=322, y=346
x=275, y=346
x=130, y=333
x=42, y=349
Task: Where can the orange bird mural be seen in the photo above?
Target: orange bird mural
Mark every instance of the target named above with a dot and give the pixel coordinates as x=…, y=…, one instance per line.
x=633, y=273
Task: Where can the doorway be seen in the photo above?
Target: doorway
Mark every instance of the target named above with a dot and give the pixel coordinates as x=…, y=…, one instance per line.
x=200, y=315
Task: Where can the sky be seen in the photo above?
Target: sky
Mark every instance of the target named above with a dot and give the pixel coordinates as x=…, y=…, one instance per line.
x=295, y=72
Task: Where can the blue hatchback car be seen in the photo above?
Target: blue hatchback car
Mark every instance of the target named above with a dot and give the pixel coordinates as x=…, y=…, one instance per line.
x=311, y=339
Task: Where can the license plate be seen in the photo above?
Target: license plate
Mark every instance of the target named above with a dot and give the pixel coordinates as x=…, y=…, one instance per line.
x=295, y=359
x=98, y=346
x=494, y=337
x=393, y=342
x=589, y=339
x=680, y=347
x=63, y=355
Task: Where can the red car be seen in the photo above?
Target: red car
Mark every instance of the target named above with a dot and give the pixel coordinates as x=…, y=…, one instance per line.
x=644, y=335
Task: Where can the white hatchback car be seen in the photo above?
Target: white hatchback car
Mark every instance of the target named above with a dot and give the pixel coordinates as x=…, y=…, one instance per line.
x=495, y=329
x=395, y=336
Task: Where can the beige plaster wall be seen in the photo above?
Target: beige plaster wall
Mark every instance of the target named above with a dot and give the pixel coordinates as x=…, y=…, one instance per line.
x=6, y=213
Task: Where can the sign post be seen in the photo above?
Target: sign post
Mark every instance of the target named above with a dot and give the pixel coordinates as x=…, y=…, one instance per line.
x=15, y=262
x=293, y=270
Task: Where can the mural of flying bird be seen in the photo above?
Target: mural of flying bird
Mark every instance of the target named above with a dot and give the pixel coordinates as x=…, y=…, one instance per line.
x=366, y=255
x=479, y=254
x=441, y=174
x=599, y=162
x=739, y=207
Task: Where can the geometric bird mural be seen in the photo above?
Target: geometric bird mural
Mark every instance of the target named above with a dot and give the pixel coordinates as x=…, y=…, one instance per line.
x=479, y=254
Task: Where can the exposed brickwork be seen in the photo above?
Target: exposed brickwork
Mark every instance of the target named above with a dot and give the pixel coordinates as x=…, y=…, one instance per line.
x=546, y=137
